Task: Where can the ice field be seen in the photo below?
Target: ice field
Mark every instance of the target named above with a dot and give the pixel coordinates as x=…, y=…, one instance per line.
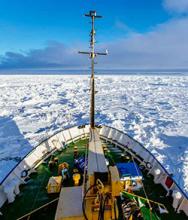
x=152, y=109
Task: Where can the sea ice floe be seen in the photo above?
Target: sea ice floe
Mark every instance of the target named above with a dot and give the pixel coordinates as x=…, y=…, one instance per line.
x=152, y=109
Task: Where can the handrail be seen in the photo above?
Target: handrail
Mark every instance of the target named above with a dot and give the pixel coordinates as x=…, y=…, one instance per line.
x=37, y=209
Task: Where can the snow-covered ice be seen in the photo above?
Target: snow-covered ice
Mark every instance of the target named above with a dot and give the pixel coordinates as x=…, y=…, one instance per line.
x=152, y=109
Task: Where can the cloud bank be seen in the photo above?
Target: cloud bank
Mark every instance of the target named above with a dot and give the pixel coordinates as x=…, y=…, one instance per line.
x=55, y=54
x=164, y=47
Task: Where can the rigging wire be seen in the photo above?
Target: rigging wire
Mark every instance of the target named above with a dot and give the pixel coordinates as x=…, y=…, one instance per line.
x=37, y=193
x=150, y=207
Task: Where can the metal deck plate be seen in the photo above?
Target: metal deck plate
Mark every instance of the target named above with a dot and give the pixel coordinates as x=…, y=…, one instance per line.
x=96, y=159
x=70, y=203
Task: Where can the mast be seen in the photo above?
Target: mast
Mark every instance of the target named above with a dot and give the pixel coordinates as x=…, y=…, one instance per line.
x=92, y=54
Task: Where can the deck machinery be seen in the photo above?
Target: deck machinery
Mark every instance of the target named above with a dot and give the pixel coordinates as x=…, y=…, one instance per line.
x=96, y=198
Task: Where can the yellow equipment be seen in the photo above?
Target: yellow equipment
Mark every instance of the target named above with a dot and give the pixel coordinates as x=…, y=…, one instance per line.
x=76, y=177
x=54, y=184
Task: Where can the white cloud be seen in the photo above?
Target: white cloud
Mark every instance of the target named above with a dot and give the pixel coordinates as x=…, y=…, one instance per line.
x=166, y=46
x=179, y=6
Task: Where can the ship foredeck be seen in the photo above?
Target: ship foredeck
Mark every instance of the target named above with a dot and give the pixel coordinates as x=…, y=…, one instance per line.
x=34, y=194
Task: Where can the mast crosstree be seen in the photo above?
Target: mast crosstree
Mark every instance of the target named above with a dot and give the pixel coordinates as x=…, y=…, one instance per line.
x=92, y=54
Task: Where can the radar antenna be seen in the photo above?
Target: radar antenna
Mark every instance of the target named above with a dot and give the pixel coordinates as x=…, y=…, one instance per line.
x=92, y=54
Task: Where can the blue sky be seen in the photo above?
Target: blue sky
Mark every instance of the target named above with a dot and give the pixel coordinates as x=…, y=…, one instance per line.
x=46, y=33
